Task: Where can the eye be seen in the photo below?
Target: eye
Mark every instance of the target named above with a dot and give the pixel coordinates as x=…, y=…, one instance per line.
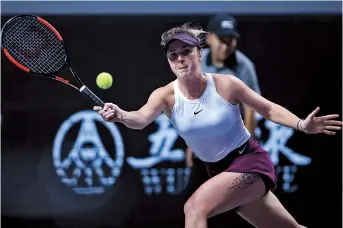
x=186, y=51
x=171, y=55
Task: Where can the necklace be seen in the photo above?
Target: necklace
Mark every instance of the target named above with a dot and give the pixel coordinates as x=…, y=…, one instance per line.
x=197, y=93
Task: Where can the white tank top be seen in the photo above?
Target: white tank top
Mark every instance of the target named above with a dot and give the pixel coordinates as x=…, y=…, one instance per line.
x=210, y=125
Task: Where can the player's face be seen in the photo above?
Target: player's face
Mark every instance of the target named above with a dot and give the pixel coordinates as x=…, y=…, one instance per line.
x=221, y=47
x=184, y=60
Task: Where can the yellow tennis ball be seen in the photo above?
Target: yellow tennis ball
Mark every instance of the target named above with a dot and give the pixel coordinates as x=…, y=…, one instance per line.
x=104, y=80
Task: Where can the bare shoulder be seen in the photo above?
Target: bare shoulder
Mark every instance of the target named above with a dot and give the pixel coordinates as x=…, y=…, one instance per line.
x=164, y=95
x=163, y=92
x=169, y=96
x=225, y=80
x=226, y=86
x=169, y=89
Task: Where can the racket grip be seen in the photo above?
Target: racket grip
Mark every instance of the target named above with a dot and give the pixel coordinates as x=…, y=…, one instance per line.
x=91, y=96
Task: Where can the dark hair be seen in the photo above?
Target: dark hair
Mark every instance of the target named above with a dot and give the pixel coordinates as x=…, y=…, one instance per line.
x=187, y=28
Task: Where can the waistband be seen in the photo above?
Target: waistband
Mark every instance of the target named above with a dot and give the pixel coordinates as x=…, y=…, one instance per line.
x=241, y=150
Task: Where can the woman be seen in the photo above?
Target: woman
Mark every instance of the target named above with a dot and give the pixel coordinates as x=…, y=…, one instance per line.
x=204, y=109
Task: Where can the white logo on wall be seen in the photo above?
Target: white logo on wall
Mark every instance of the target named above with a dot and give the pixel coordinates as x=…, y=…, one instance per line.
x=88, y=168
x=159, y=180
x=276, y=144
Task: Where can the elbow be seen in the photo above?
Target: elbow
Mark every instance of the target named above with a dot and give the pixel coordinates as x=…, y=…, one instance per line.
x=142, y=125
x=274, y=112
x=137, y=127
x=268, y=111
x=139, y=122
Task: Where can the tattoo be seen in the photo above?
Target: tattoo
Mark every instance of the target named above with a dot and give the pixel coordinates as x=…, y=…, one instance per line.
x=245, y=180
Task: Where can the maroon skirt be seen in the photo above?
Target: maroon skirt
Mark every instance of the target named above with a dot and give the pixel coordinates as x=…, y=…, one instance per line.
x=248, y=158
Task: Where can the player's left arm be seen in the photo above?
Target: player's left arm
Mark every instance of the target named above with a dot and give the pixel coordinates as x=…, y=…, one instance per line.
x=266, y=108
x=278, y=114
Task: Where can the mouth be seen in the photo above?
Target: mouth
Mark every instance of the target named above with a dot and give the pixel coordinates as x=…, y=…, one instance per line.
x=182, y=68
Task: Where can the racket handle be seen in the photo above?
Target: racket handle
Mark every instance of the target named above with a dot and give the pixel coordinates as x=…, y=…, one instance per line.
x=91, y=96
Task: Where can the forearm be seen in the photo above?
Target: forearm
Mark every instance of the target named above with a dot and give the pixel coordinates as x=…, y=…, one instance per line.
x=280, y=115
x=133, y=120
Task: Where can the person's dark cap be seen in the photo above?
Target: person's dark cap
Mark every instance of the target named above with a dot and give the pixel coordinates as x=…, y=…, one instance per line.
x=223, y=25
x=188, y=39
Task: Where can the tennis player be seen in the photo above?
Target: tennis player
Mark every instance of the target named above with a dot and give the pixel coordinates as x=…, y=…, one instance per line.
x=204, y=109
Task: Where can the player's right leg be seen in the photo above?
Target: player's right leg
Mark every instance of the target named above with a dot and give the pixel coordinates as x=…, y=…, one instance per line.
x=268, y=212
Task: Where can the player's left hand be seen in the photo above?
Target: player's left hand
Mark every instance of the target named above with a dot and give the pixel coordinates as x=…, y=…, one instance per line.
x=320, y=124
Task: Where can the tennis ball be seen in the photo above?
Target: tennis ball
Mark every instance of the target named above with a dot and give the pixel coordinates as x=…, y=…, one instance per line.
x=104, y=80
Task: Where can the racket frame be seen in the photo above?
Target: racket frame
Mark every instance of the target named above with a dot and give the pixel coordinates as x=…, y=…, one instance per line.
x=81, y=87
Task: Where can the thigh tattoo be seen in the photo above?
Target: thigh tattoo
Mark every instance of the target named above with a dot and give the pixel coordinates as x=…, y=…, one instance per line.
x=245, y=180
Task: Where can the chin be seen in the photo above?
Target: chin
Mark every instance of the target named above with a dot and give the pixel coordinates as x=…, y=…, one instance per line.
x=223, y=57
x=186, y=74
x=183, y=75
x=228, y=54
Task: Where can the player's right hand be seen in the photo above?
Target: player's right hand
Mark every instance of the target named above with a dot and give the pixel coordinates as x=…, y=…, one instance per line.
x=110, y=112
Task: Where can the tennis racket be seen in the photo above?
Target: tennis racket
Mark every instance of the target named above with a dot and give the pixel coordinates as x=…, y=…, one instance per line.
x=35, y=46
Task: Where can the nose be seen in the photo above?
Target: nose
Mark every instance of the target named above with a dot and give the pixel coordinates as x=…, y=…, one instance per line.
x=225, y=45
x=180, y=58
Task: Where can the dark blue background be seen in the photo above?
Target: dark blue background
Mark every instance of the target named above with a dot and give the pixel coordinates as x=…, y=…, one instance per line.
x=298, y=61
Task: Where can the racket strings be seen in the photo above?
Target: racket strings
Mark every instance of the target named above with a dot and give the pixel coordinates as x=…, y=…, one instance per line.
x=34, y=45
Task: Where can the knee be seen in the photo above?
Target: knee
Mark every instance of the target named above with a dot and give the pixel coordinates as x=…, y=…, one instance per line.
x=194, y=208
x=189, y=208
